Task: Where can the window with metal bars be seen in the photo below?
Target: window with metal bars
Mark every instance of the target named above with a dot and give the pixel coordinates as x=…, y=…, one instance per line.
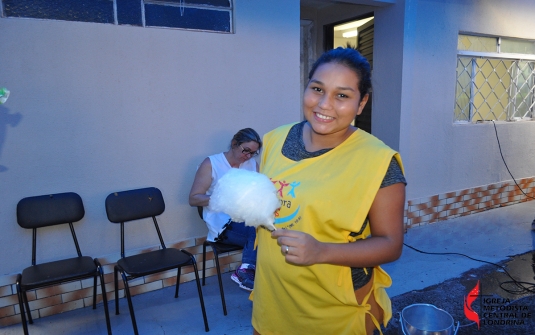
x=495, y=79
x=204, y=15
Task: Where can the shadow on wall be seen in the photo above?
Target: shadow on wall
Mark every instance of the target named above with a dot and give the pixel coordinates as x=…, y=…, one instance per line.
x=6, y=119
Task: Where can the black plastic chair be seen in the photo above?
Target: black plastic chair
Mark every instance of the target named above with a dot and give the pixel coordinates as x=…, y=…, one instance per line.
x=49, y=210
x=217, y=248
x=127, y=206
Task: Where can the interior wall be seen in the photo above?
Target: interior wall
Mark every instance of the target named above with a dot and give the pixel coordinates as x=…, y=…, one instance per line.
x=331, y=14
x=99, y=108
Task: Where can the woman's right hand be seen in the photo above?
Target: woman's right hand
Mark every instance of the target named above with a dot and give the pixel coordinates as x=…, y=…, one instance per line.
x=297, y=247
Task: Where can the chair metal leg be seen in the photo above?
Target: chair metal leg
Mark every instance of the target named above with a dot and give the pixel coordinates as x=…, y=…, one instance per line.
x=203, y=263
x=95, y=292
x=177, y=281
x=116, y=285
x=21, y=305
x=28, y=312
x=104, y=295
x=199, y=289
x=130, y=305
x=200, y=293
x=216, y=258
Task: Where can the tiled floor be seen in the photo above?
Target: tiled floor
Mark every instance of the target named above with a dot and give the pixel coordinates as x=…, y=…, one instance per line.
x=491, y=236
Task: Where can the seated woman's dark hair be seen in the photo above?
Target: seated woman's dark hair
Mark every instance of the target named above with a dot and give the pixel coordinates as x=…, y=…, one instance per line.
x=246, y=135
x=353, y=60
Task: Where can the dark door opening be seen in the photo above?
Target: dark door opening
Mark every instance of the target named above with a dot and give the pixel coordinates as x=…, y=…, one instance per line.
x=357, y=33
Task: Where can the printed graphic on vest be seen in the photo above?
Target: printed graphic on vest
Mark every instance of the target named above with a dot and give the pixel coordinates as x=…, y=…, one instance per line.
x=287, y=194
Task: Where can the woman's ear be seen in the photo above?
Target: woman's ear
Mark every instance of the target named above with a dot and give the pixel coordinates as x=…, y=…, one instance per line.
x=362, y=103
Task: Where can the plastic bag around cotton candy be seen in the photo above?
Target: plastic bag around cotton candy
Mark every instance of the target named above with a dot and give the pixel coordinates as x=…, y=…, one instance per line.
x=4, y=94
x=246, y=196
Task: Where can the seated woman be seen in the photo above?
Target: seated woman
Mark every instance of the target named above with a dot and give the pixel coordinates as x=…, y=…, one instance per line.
x=245, y=145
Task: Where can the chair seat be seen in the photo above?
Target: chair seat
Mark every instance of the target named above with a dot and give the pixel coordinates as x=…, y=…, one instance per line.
x=58, y=271
x=154, y=261
x=223, y=247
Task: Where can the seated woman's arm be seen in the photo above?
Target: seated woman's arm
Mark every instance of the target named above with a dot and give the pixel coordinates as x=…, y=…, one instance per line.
x=384, y=245
x=201, y=184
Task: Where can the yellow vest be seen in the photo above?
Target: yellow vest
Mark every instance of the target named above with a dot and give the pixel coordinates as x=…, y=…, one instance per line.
x=329, y=197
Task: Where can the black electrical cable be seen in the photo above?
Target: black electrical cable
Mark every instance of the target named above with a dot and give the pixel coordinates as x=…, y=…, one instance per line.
x=503, y=159
x=530, y=288
x=521, y=289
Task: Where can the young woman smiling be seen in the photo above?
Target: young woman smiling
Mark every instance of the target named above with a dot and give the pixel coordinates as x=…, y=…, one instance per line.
x=319, y=272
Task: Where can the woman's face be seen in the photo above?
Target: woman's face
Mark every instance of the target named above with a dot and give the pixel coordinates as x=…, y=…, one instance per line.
x=245, y=151
x=332, y=99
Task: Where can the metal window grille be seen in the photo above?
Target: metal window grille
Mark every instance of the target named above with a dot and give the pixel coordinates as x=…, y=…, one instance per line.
x=494, y=89
x=495, y=79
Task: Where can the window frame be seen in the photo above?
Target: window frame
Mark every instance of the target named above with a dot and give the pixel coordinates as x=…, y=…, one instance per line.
x=205, y=17
x=497, y=55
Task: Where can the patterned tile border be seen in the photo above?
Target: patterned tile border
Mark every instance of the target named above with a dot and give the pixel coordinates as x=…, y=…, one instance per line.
x=418, y=212
x=446, y=206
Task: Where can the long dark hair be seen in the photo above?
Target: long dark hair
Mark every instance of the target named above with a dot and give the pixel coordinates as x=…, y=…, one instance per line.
x=353, y=60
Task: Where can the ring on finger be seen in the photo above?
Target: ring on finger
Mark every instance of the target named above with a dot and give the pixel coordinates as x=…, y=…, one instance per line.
x=286, y=250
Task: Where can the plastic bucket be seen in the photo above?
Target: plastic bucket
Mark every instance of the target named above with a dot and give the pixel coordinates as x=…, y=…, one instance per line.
x=425, y=319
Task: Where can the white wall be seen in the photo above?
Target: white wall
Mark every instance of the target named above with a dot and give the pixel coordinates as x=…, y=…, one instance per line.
x=388, y=56
x=98, y=108
x=446, y=157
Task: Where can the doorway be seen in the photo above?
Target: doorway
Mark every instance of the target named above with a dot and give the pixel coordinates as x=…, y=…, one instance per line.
x=356, y=33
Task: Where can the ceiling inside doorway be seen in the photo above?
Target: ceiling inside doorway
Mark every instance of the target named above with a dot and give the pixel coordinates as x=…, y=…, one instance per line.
x=324, y=3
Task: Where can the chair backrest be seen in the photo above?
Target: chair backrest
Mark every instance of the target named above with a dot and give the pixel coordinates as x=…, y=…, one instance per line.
x=49, y=210
x=134, y=204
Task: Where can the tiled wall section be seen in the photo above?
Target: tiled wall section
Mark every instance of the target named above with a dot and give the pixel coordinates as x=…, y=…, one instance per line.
x=66, y=297
x=418, y=212
x=450, y=205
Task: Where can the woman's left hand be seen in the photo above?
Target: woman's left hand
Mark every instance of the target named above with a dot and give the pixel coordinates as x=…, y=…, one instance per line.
x=383, y=246
x=297, y=247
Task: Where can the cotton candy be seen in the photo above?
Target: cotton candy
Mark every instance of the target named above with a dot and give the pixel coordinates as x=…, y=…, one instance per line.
x=246, y=196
